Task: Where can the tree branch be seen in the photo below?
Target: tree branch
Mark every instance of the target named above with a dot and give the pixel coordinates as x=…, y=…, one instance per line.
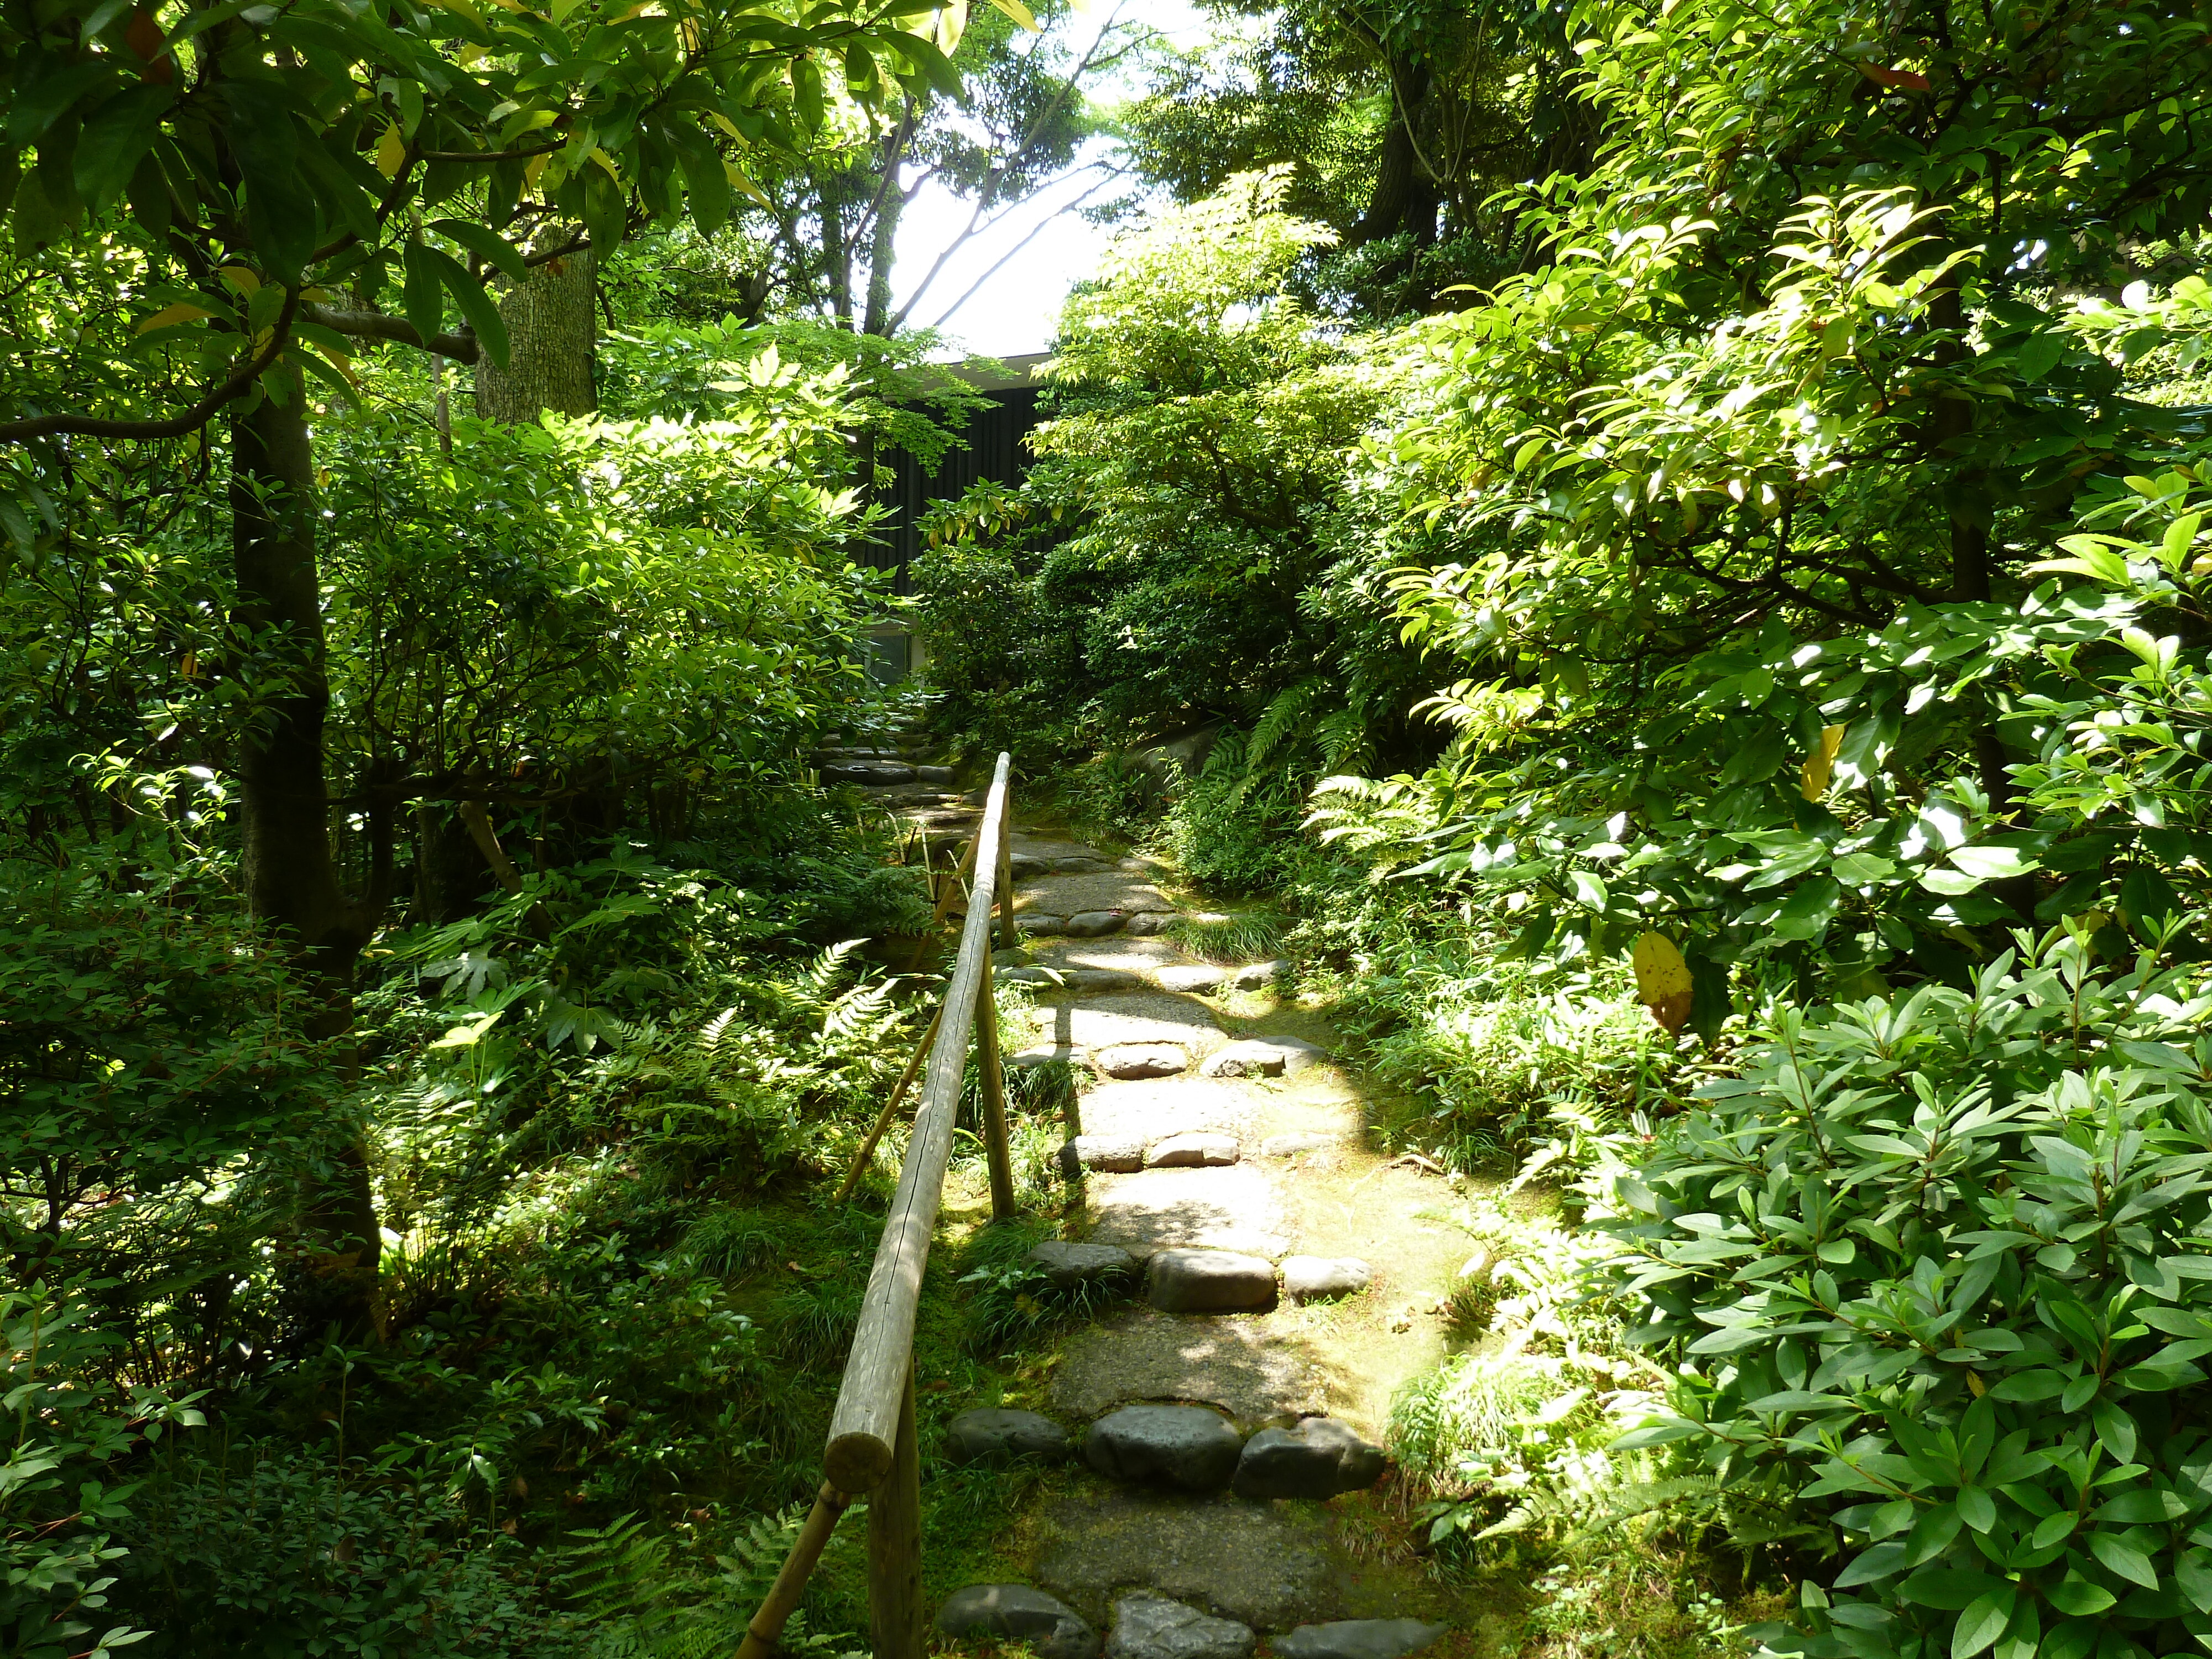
x=376, y=325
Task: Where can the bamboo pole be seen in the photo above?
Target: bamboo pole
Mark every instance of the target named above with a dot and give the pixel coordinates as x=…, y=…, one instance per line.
x=994, y=1099
x=895, y=1620
x=863, y=1430
x=890, y=1106
x=767, y=1627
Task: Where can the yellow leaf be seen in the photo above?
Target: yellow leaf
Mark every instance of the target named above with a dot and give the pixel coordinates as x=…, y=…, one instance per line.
x=952, y=24
x=390, y=151
x=240, y=279
x=1813, y=782
x=726, y=124
x=178, y=313
x=606, y=161
x=740, y=182
x=1020, y=13
x=533, y=167
x=1662, y=980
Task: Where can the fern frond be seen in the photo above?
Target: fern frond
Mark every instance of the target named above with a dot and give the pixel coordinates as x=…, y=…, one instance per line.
x=1286, y=716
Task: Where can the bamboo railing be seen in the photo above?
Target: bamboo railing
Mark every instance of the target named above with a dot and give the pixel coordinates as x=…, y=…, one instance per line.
x=872, y=1449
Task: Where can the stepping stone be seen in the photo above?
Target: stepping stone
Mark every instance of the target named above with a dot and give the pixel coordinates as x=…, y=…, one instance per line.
x=1202, y=976
x=990, y=1435
x=1185, y=1447
x=1259, y=976
x=1292, y=1146
x=1135, y=1060
x=868, y=774
x=1359, y=1639
x=1191, y=1152
x=1247, y=1057
x=1145, y=1016
x=1154, y=1627
x=1146, y=923
x=1039, y=922
x=1209, y=1281
x=1079, y=864
x=1073, y=979
x=1319, y=1458
x=939, y=774
x=1094, y=924
x=1025, y=865
x=1068, y=1264
x=1269, y=1056
x=1312, y=1278
x=1044, y=1054
x=1015, y=1613
x=1107, y=1154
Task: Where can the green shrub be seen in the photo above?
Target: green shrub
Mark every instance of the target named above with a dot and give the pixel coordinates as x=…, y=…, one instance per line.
x=1933, y=1268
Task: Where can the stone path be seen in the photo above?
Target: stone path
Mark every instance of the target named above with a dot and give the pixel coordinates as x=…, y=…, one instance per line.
x=1266, y=1283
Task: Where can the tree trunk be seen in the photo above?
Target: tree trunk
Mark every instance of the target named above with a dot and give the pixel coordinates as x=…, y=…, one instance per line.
x=883, y=253
x=552, y=333
x=291, y=878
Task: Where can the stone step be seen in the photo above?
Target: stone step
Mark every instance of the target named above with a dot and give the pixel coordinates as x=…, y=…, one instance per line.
x=1115, y=1154
x=1195, y=1449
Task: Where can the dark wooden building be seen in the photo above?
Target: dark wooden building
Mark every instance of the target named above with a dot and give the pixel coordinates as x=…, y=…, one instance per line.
x=993, y=446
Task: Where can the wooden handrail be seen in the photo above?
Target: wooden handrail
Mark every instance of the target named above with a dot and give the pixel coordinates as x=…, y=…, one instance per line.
x=872, y=1444
x=864, y=1429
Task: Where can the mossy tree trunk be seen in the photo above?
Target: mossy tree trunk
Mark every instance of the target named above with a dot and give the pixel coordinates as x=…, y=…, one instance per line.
x=552, y=333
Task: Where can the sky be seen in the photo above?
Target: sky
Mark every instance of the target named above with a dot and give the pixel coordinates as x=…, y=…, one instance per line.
x=1015, y=310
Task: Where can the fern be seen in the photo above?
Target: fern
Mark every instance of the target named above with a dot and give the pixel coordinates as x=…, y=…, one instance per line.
x=619, y=1570
x=1286, y=717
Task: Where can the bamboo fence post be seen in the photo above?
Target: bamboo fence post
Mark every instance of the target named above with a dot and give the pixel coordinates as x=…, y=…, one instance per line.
x=890, y=1106
x=895, y=1620
x=766, y=1626
x=994, y=1099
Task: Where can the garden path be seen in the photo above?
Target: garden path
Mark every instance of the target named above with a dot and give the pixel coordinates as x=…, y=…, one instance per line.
x=1262, y=1282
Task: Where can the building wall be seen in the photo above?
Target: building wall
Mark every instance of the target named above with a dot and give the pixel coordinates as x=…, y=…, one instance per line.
x=991, y=447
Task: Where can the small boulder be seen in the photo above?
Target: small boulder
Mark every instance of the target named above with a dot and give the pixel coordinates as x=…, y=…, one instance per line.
x=990, y=1435
x=1247, y=1057
x=1259, y=976
x=1198, y=976
x=1018, y=1614
x=1312, y=1278
x=940, y=775
x=1068, y=1264
x=1145, y=924
x=1359, y=1639
x=1094, y=924
x=1036, y=921
x=1185, y=1447
x=1209, y=1281
x=1101, y=979
x=1043, y=1055
x=1298, y=1054
x=1107, y=1154
x=1139, y=1060
x=1079, y=864
x=1190, y=1151
x=1319, y=1458
x=1152, y=1627
x=1026, y=865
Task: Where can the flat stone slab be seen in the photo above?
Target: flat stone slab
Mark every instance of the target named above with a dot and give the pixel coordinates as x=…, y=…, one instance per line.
x=1138, y=955
x=1359, y=1639
x=1139, y=1016
x=1191, y=1152
x=1017, y=1613
x=1186, y=1447
x=1316, y=1277
x=994, y=1435
x=1141, y=1060
x=1153, y=1110
x=1209, y=1281
x=1318, y=1459
x=1235, y=1208
x=870, y=773
x=1154, y=1627
x=1292, y=1146
x=1035, y=923
x=1094, y=924
x=1068, y=1264
x=1125, y=891
x=1264, y=1565
x=1198, y=976
x=1041, y=1053
x=1257, y=1369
